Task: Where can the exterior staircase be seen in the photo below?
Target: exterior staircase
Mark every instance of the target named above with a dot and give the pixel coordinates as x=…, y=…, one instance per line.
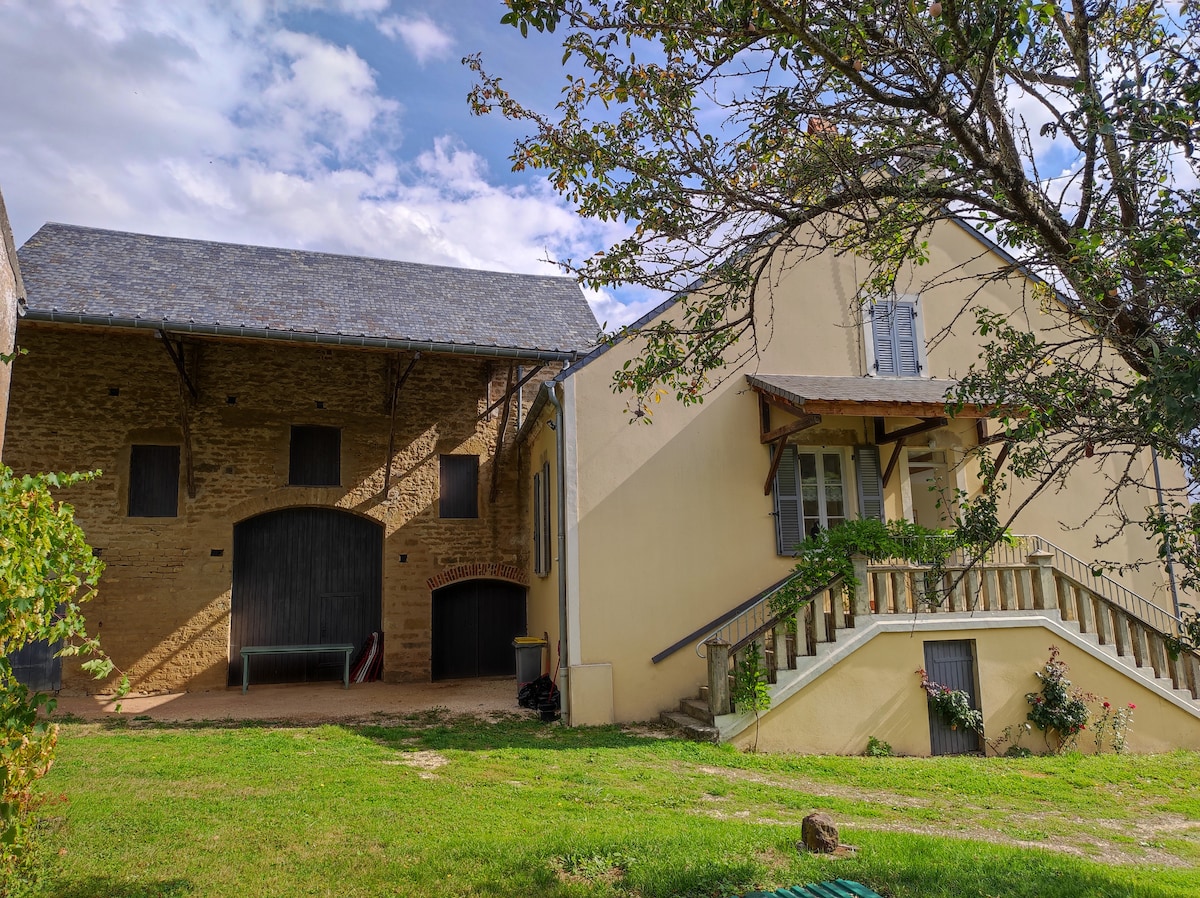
x=1045, y=587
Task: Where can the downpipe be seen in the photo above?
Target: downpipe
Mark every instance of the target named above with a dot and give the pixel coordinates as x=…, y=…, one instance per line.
x=564, y=663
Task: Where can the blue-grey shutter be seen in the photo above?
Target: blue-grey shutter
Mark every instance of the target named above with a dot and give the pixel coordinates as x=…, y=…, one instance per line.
x=545, y=513
x=870, y=482
x=787, y=504
x=881, y=335
x=537, y=523
x=904, y=335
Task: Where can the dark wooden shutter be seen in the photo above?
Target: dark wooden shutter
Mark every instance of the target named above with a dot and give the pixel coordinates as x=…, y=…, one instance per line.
x=870, y=482
x=951, y=663
x=316, y=456
x=788, y=533
x=153, y=481
x=38, y=666
x=459, y=486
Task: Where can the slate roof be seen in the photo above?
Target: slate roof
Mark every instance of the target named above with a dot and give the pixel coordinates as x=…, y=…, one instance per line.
x=798, y=388
x=97, y=276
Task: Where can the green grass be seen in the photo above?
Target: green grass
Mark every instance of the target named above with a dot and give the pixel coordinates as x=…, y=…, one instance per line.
x=441, y=807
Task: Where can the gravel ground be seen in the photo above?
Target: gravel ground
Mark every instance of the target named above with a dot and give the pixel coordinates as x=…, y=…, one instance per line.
x=307, y=703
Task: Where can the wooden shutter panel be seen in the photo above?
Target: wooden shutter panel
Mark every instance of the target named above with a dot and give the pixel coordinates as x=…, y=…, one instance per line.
x=788, y=533
x=545, y=513
x=881, y=335
x=537, y=524
x=153, y=481
x=315, y=456
x=459, y=486
x=870, y=482
x=904, y=336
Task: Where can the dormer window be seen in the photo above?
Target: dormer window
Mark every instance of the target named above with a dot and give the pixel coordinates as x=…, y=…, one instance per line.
x=895, y=339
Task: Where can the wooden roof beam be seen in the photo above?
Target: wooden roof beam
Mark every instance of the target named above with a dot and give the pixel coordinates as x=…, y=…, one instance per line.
x=928, y=424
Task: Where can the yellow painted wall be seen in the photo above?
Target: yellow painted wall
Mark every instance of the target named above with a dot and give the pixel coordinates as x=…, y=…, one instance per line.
x=673, y=524
x=875, y=692
x=542, y=602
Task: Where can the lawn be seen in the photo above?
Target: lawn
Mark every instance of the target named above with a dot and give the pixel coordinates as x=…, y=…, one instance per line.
x=438, y=806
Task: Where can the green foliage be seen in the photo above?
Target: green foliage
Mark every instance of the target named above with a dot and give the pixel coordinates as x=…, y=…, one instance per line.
x=47, y=571
x=953, y=706
x=737, y=139
x=750, y=689
x=828, y=555
x=1057, y=710
x=877, y=748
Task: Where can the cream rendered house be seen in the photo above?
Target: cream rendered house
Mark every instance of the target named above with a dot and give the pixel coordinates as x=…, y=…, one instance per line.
x=650, y=541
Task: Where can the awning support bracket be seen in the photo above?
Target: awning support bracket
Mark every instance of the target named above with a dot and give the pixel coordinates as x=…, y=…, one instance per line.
x=396, y=387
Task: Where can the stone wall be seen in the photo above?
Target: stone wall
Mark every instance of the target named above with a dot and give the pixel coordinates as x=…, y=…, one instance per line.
x=84, y=395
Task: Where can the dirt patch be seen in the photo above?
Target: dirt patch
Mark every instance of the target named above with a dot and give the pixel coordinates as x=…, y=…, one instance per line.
x=424, y=761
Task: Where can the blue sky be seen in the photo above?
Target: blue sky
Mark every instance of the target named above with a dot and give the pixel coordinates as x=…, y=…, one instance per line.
x=335, y=125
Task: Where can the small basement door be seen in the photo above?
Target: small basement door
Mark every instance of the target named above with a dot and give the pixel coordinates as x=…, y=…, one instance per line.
x=303, y=576
x=474, y=624
x=951, y=663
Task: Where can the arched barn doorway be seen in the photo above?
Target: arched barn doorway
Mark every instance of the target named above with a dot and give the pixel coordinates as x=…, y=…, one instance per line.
x=474, y=623
x=303, y=576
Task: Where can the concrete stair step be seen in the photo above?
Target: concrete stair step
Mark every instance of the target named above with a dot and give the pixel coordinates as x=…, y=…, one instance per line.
x=697, y=709
x=690, y=727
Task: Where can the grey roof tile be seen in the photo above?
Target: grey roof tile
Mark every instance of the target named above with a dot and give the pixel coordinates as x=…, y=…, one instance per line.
x=92, y=272
x=798, y=388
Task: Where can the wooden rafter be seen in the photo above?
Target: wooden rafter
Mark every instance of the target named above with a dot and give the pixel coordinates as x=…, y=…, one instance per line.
x=776, y=458
x=175, y=351
x=891, y=465
x=804, y=423
x=187, y=388
x=926, y=425
x=1001, y=458
x=395, y=401
x=509, y=390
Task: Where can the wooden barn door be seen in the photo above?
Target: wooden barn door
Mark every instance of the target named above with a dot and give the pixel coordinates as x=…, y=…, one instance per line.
x=36, y=666
x=951, y=663
x=474, y=624
x=303, y=576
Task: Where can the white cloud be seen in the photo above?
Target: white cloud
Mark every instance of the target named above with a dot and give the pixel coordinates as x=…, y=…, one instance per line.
x=219, y=121
x=424, y=39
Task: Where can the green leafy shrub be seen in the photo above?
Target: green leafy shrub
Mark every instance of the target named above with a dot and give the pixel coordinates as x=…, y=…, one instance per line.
x=47, y=571
x=1057, y=710
x=877, y=748
x=750, y=689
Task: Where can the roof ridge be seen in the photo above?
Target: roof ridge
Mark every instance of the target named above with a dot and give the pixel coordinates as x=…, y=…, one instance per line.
x=291, y=250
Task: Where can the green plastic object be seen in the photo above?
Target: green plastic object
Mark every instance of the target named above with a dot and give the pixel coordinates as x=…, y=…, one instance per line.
x=839, y=888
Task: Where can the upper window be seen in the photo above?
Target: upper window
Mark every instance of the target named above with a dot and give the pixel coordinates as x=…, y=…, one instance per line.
x=153, y=481
x=895, y=344
x=459, y=489
x=316, y=456
x=541, y=520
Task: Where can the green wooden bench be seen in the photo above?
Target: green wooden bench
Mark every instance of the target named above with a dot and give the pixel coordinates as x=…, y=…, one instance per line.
x=839, y=888
x=249, y=650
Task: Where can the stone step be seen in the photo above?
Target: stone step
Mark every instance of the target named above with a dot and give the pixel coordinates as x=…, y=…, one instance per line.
x=696, y=709
x=689, y=727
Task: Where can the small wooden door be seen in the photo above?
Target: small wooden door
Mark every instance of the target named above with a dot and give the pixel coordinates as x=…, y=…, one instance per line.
x=474, y=624
x=951, y=663
x=303, y=576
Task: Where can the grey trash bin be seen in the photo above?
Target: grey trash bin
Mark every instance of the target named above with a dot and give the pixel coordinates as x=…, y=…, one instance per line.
x=529, y=658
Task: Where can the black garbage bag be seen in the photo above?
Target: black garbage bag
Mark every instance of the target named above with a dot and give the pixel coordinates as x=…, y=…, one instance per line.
x=539, y=695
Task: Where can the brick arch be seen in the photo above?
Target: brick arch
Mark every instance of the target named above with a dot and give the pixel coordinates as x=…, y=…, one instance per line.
x=299, y=497
x=491, y=570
